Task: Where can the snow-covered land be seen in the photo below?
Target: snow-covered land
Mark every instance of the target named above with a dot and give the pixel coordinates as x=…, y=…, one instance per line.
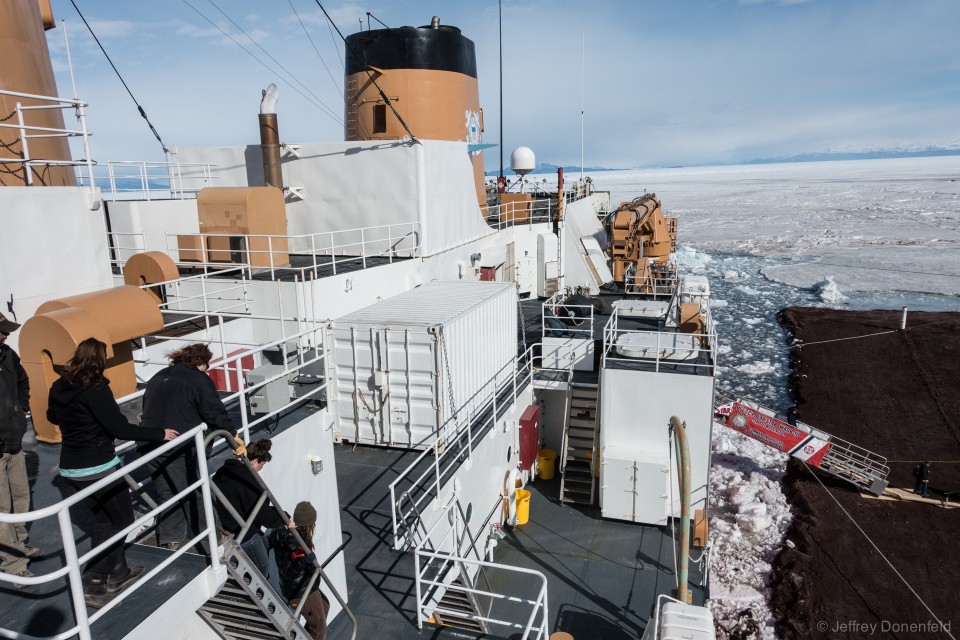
x=854, y=234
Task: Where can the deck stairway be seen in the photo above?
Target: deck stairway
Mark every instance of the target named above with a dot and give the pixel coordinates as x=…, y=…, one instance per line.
x=247, y=607
x=577, y=480
x=458, y=608
x=864, y=469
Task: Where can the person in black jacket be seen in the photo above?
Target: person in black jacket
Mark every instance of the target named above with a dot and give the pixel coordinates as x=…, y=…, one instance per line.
x=296, y=566
x=82, y=404
x=14, y=487
x=241, y=489
x=180, y=397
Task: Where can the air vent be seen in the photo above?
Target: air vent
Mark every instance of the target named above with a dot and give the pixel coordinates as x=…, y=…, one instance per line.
x=379, y=118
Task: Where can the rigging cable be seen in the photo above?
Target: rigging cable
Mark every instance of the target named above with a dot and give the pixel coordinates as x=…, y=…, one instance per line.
x=122, y=81
x=330, y=111
x=319, y=106
x=322, y=61
x=373, y=80
x=800, y=345
x=885, y=559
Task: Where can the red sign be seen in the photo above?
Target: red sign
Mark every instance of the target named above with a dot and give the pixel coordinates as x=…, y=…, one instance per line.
x=777, y=434
x=529, y=433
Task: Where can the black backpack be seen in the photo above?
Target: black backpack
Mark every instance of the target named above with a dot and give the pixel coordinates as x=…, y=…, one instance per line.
x=916, y=470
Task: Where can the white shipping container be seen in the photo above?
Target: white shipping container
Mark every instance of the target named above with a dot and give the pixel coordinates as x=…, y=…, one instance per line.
x=394, y=365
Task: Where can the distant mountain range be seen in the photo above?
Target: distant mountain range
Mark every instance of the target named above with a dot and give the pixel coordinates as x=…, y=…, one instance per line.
x=866, y=154
x=823, y=156
x=546, y=167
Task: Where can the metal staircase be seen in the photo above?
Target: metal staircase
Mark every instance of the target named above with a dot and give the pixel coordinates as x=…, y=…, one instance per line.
x=247, y=607
x=457, y=607
x=864, y=469
x=577, y=480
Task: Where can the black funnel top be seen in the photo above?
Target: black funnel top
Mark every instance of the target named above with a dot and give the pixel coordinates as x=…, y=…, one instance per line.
x=443, y=49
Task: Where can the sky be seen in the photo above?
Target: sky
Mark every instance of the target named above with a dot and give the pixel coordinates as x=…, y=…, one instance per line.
x=662, y=82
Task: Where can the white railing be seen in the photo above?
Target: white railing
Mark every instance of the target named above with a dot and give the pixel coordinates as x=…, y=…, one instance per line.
x=655, y=287
x=29, y=131
x=431, y=563
x=684, y=352
x=569, y=320
x=299, y=351
x=445, y=458
x=140, y=180
x=72, y=558
x=328, y=250
x=511, y=214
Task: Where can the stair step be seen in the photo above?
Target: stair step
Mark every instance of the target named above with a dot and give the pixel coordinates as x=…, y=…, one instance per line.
x=583, y=423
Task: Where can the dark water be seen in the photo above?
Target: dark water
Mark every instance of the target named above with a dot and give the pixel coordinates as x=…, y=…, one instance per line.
x=754, y=355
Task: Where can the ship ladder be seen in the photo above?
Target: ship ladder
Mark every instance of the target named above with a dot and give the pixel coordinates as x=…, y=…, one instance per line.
x=247, y=607
x=578, y=482
x=458, y=607
x=864, y=469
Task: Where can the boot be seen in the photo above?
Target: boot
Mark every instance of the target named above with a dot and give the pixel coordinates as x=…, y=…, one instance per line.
x=116, y=584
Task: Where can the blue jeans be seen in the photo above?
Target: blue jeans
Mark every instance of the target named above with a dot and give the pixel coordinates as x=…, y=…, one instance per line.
x=256, y=550
x=921, y=487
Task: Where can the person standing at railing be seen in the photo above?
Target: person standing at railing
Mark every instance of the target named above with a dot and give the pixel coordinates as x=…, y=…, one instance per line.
x=15, y=555
x=241, y=489
x=296, y=566
x=82, y=404
x=180, y=397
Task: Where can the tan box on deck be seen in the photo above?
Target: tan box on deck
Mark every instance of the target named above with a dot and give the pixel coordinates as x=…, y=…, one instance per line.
x=246, y=224
x=515, y=207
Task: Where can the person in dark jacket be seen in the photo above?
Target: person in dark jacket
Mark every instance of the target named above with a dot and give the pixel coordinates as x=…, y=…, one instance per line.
x=180, y=397
x=15, y=555
x=239, y=486
x=921, y=475
x=296, y=565
x=82, y=404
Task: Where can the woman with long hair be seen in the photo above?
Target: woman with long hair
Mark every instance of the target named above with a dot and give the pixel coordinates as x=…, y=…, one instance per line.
x=82, y=404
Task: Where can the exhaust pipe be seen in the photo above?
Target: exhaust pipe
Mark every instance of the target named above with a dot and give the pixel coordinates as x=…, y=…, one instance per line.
x=270, y=138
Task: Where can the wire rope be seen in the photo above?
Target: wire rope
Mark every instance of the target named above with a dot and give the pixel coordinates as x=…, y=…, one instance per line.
x=329, y=111
x=877, y=549
x=143, y=113
x=322, y=108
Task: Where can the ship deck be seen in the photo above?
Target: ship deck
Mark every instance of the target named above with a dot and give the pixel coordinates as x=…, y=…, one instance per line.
x=46, y=610
x=603, y=575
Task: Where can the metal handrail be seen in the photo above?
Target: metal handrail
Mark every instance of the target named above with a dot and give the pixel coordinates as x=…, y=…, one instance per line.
x=55, y=103
x=265, y=495
x=465, y=429
x=73, y=560
x=338, y=252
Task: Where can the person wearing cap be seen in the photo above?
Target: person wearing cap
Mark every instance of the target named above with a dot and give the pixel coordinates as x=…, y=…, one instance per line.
x=296, y=565
x=15, y=555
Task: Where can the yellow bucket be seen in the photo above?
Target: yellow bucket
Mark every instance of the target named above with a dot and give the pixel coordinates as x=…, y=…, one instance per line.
x=523, y=506
x=546, y=460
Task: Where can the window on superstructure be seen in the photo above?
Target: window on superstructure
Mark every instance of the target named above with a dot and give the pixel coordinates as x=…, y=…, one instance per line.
x=379, y=118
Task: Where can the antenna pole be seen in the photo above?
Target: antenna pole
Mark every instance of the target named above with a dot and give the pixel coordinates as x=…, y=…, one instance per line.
x=583, y=76
x=66, y=42
x=501, y=181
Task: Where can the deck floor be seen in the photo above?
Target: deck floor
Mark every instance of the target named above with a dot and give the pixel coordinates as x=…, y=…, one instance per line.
x=603, y=575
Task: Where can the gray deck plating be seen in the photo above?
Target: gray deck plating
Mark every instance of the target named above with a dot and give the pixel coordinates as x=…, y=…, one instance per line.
x=603, y=576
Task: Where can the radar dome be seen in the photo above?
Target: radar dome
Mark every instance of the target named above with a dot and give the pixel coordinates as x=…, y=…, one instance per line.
x=522, y=160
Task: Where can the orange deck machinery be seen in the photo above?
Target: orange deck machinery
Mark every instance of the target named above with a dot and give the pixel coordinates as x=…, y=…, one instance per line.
x=114, y=316
x=642, y=239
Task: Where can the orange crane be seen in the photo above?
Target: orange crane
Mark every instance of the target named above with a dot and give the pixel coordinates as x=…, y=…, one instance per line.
x=642, y=239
